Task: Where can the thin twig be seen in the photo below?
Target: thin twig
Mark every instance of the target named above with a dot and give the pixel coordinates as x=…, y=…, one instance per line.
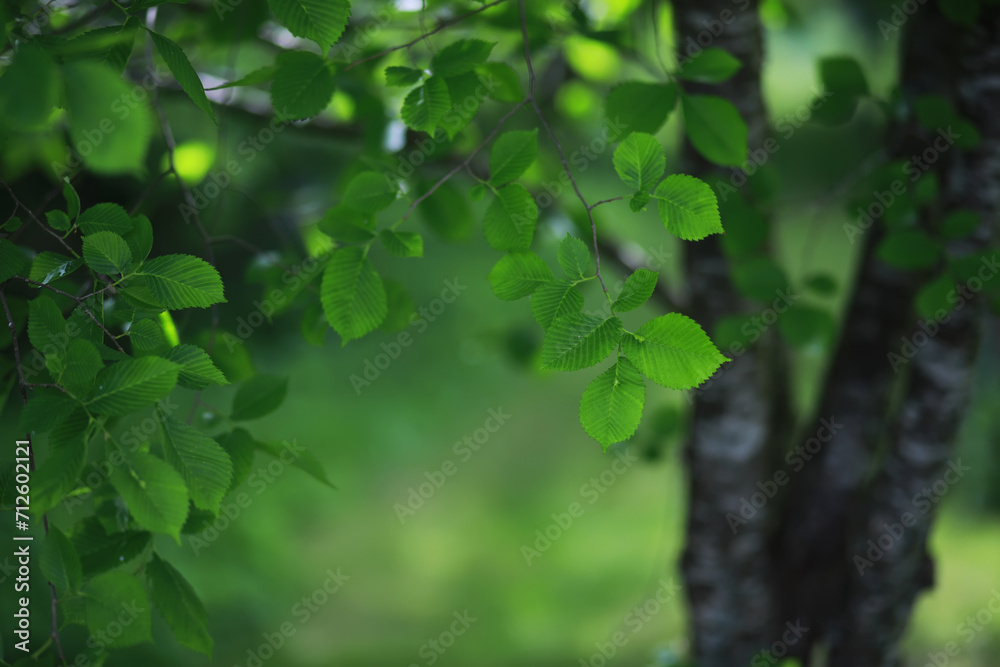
x=79, y=302
x=441, y=26
x=559, y=148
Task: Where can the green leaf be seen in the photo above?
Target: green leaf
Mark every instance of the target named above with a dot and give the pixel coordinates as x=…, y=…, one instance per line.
x=303, y=85
x=579, y=341
x=909, y=249
x=639, y=107
x=759, y=278
x=179, y=605
x=29, y=88
x=108, y=143
x=130, y=385
x=46, y=326
x=49, y=266
x=937, y=298
x=322, y=21
x=402, y=76
x=46, y=409
x=204, y=465
x=805, y=325
x=259, y=396
x=182, y=70
x=72, y=200
x=688, y=208
x=402, y=244
x=147, y=338
x=611, y=406
x=239, y=445
x=106, y=252
x=426, y=105
x=715, y=129
x=59, y=561
x=501, y=81
x=842, y=75
x=935, y=112
x=346, y=224
x=140, y=239
x=100, y=552
x=710, y=66
x=12, y=260
x=447, y=213
x=960, y=224
x=555, y=299
x=302, y=459
x=512, y=154
x=353, y=295
x=196, y=368
x=105, y=218
x=673, y=351
x=83, y=363
x=821, y=283
x=58, y=220
x=179, y=281
x=518, y=274
x=640, y=161
x=154, y=493
x=637, y=289
x=465, y=93
x=574, y=258
x=254, y=78
x=461, y=56
x=118, y=600
x=57, y=474
x=509, y=222
x=369, y=192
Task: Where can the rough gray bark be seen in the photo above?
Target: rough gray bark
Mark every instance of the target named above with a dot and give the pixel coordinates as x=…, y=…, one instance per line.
x=727, y=573
x=920, y=444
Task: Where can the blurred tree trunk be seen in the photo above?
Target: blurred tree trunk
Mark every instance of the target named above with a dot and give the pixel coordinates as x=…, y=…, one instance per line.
x=738, y=415
x=794, y=562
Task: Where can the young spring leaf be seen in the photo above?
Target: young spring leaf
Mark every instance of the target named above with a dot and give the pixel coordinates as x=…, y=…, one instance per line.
x=259, y=396
x=59, y=561
x=426, y=105
x=672, y=350
x=637, y=289
x=688, y=208
x=49, y=266
x=200, y=460
x=197, y=370
x=579, y=341
x=710, y=66
x=107, y=595
x=518, y=274
x=179, y=605
x=558, y=298
x=509, y=222
x=303, y=85
x=511, y=156
x=574, y=258
x=178, y=281
x=611, y=405
x=402, y=244
x=461, y=56
x=57, y=474
x=106, y=252
x=640, y=161
x=130, y=385
x=105, y=218
x=715, y=129
x=322, y=21
x=639, y=107
x=83, y=363
x=402, y=76
x=154, y=492
x=46, y=326
x=369, y=192
x=352, y=293
x=182, y=70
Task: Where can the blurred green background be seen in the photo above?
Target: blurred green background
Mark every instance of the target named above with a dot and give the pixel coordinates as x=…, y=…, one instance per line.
x=461, y=551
